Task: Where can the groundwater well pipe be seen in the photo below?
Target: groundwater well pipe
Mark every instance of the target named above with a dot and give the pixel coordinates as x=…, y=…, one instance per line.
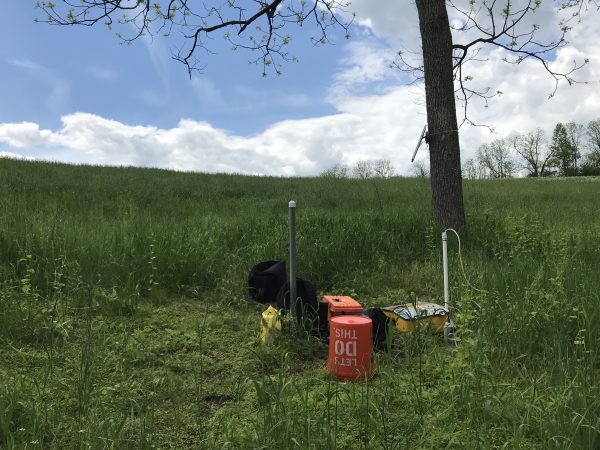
x=449, y=325
x=445, y=259
x=292, y=210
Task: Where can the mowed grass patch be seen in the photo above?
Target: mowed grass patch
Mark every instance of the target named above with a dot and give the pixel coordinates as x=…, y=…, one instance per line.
x=126, y=322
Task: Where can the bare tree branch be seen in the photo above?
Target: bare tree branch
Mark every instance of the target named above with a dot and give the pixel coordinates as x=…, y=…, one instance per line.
x=503, y=24
x=252, y=25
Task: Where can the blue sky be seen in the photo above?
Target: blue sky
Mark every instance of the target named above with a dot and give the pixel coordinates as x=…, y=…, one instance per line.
x=49, y=71
x=76, y=94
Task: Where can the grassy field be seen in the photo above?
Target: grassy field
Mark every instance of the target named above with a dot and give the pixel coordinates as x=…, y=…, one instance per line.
x=125, y=320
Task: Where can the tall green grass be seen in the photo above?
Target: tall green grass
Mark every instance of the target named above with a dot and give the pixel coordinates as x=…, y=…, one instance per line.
x=125, y=323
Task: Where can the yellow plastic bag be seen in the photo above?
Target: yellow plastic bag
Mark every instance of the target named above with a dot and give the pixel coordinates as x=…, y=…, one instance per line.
x=270, y=325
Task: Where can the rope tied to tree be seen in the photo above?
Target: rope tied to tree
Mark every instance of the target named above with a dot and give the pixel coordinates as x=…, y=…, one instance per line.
x=444, y=132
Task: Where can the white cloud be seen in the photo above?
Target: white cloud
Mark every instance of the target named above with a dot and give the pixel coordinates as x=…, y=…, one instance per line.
x=393, y=20
x=23, y=135
x=295, y=147
x=161, y=58
x=25, y=63
x=365, y=66
x=10, y=155
x=371, y=122
x=526, y=87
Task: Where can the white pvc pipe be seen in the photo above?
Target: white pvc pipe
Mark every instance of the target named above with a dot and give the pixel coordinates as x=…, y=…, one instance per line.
x=449, y=325
x=445, y=258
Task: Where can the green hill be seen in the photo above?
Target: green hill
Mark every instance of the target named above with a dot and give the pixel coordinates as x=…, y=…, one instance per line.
x=125, y=320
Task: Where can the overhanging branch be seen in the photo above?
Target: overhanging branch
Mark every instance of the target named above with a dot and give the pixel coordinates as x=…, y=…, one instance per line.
x=255, y=25
x=504, y=24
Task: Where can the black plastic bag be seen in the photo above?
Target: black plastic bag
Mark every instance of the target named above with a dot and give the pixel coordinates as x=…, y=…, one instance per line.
x=307, y=306
x=265, y=280
x=380, y=326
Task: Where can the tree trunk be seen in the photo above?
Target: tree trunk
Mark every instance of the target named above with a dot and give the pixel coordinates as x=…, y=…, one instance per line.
x=444, y=148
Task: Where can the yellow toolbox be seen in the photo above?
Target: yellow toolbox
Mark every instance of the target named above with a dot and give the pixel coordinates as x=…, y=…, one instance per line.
x=407, y=316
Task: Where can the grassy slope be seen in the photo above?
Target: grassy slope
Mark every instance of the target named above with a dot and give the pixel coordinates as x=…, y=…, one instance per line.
x=125, y=321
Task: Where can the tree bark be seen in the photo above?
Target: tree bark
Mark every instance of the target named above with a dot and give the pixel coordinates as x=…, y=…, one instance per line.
x=444, y=148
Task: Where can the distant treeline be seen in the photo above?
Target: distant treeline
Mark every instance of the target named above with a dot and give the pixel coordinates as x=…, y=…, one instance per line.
x=572, y=150
x=363, y=169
